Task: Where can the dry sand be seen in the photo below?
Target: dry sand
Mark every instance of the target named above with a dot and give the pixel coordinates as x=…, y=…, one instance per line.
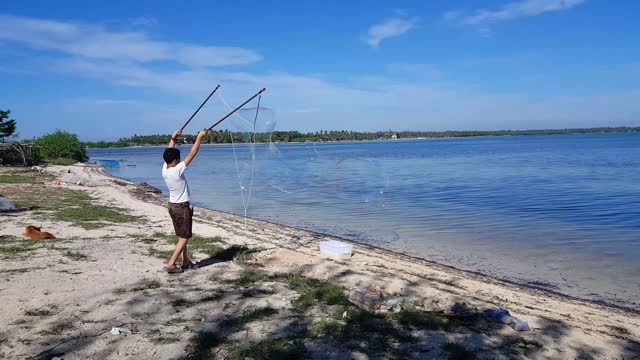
x=171, y=316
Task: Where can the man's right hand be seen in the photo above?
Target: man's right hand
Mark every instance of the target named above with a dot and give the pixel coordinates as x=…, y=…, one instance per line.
x=202, y=134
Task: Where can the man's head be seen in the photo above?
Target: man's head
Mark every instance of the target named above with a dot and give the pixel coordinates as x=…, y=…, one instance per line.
x=171, y=155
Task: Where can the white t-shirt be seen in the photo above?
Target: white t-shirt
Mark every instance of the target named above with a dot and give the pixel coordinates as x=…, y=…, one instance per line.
x=177, y=184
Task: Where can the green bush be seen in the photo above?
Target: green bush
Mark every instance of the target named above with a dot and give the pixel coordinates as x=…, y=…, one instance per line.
x=61, y=144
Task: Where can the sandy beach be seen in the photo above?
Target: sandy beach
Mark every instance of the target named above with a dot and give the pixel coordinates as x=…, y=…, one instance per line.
x=263, y=290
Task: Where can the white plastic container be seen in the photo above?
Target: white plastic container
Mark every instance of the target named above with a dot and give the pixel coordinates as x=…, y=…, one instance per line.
x=336, y=249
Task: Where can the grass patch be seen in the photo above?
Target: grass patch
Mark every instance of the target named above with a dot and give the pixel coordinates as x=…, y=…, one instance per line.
x=420, y=319
x=58, y=329
x=13, y=250
x=75, y=256
x=376, y=331
x=41, y=312
x=161, y=254
x=253, y=314
x=57, y=198
x=16, y=179
x=62, y=161
x=92, y=213
x=269, y=349
x=247, y=278
x=67, y=205
x=148, y=285
x=206, y=245
x=458, y=352
x=238, y=253
x=314, y=291
x=18, y=248
x=327, y=328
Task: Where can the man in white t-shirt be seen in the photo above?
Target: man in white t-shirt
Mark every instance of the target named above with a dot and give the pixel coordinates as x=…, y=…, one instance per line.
x=180, y=208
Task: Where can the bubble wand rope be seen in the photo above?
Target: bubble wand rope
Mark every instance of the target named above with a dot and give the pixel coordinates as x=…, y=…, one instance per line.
x=236, y=109
x=245, y=201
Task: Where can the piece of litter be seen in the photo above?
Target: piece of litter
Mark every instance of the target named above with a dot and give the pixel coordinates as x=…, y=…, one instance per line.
x=6, y=204
x=344, y=315
x=503, y=316
x=118, y=331
x=336, y=249
x=392, y=305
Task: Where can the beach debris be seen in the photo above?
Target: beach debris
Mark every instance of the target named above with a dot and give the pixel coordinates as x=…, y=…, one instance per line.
x=57, y=182
x=35, y=233
x=503, y=316
x=39, y=169
x=6, y=204
x=336, y=249
x=148, y=188
x=393, y=304
x=118, y=330
x=369, y=298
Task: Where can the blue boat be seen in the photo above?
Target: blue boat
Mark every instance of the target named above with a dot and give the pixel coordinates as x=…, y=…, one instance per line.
x=107, y=163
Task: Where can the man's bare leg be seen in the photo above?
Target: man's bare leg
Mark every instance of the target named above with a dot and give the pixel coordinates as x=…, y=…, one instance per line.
x=180, y=246
x=185, y=255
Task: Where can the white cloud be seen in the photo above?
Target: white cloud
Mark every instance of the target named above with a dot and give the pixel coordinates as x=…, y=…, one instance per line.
x=392, y=27
x=377, y=102
x=399, y=98
x=94, y=42
x=511, y=11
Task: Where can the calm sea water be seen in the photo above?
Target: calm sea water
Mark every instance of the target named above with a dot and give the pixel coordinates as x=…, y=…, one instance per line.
x=560, y=212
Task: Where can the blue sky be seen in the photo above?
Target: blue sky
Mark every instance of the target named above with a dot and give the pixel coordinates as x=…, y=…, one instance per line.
x=109, y=69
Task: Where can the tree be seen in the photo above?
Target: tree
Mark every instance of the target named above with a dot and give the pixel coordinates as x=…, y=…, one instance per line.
x=7, y=127
x=61, y=145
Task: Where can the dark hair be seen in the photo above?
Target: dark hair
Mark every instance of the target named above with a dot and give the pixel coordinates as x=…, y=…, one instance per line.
x=171, y=154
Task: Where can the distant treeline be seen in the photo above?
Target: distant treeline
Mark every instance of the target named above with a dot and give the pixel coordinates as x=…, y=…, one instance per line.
x=226, y=137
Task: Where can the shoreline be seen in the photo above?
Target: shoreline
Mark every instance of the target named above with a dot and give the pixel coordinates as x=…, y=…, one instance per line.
x=407, y=257
x=562, y=327
x=383, y=140
x=545, y=290
x=410, y=258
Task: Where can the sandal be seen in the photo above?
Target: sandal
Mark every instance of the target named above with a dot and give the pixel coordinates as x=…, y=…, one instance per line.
x=174, y=270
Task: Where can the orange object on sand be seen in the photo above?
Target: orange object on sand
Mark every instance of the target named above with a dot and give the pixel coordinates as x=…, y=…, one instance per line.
x=34, y=232
x=57, y=182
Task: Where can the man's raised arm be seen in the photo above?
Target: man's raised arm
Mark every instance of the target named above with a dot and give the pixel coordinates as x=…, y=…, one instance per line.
x=174, y=137
x=195, y=147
